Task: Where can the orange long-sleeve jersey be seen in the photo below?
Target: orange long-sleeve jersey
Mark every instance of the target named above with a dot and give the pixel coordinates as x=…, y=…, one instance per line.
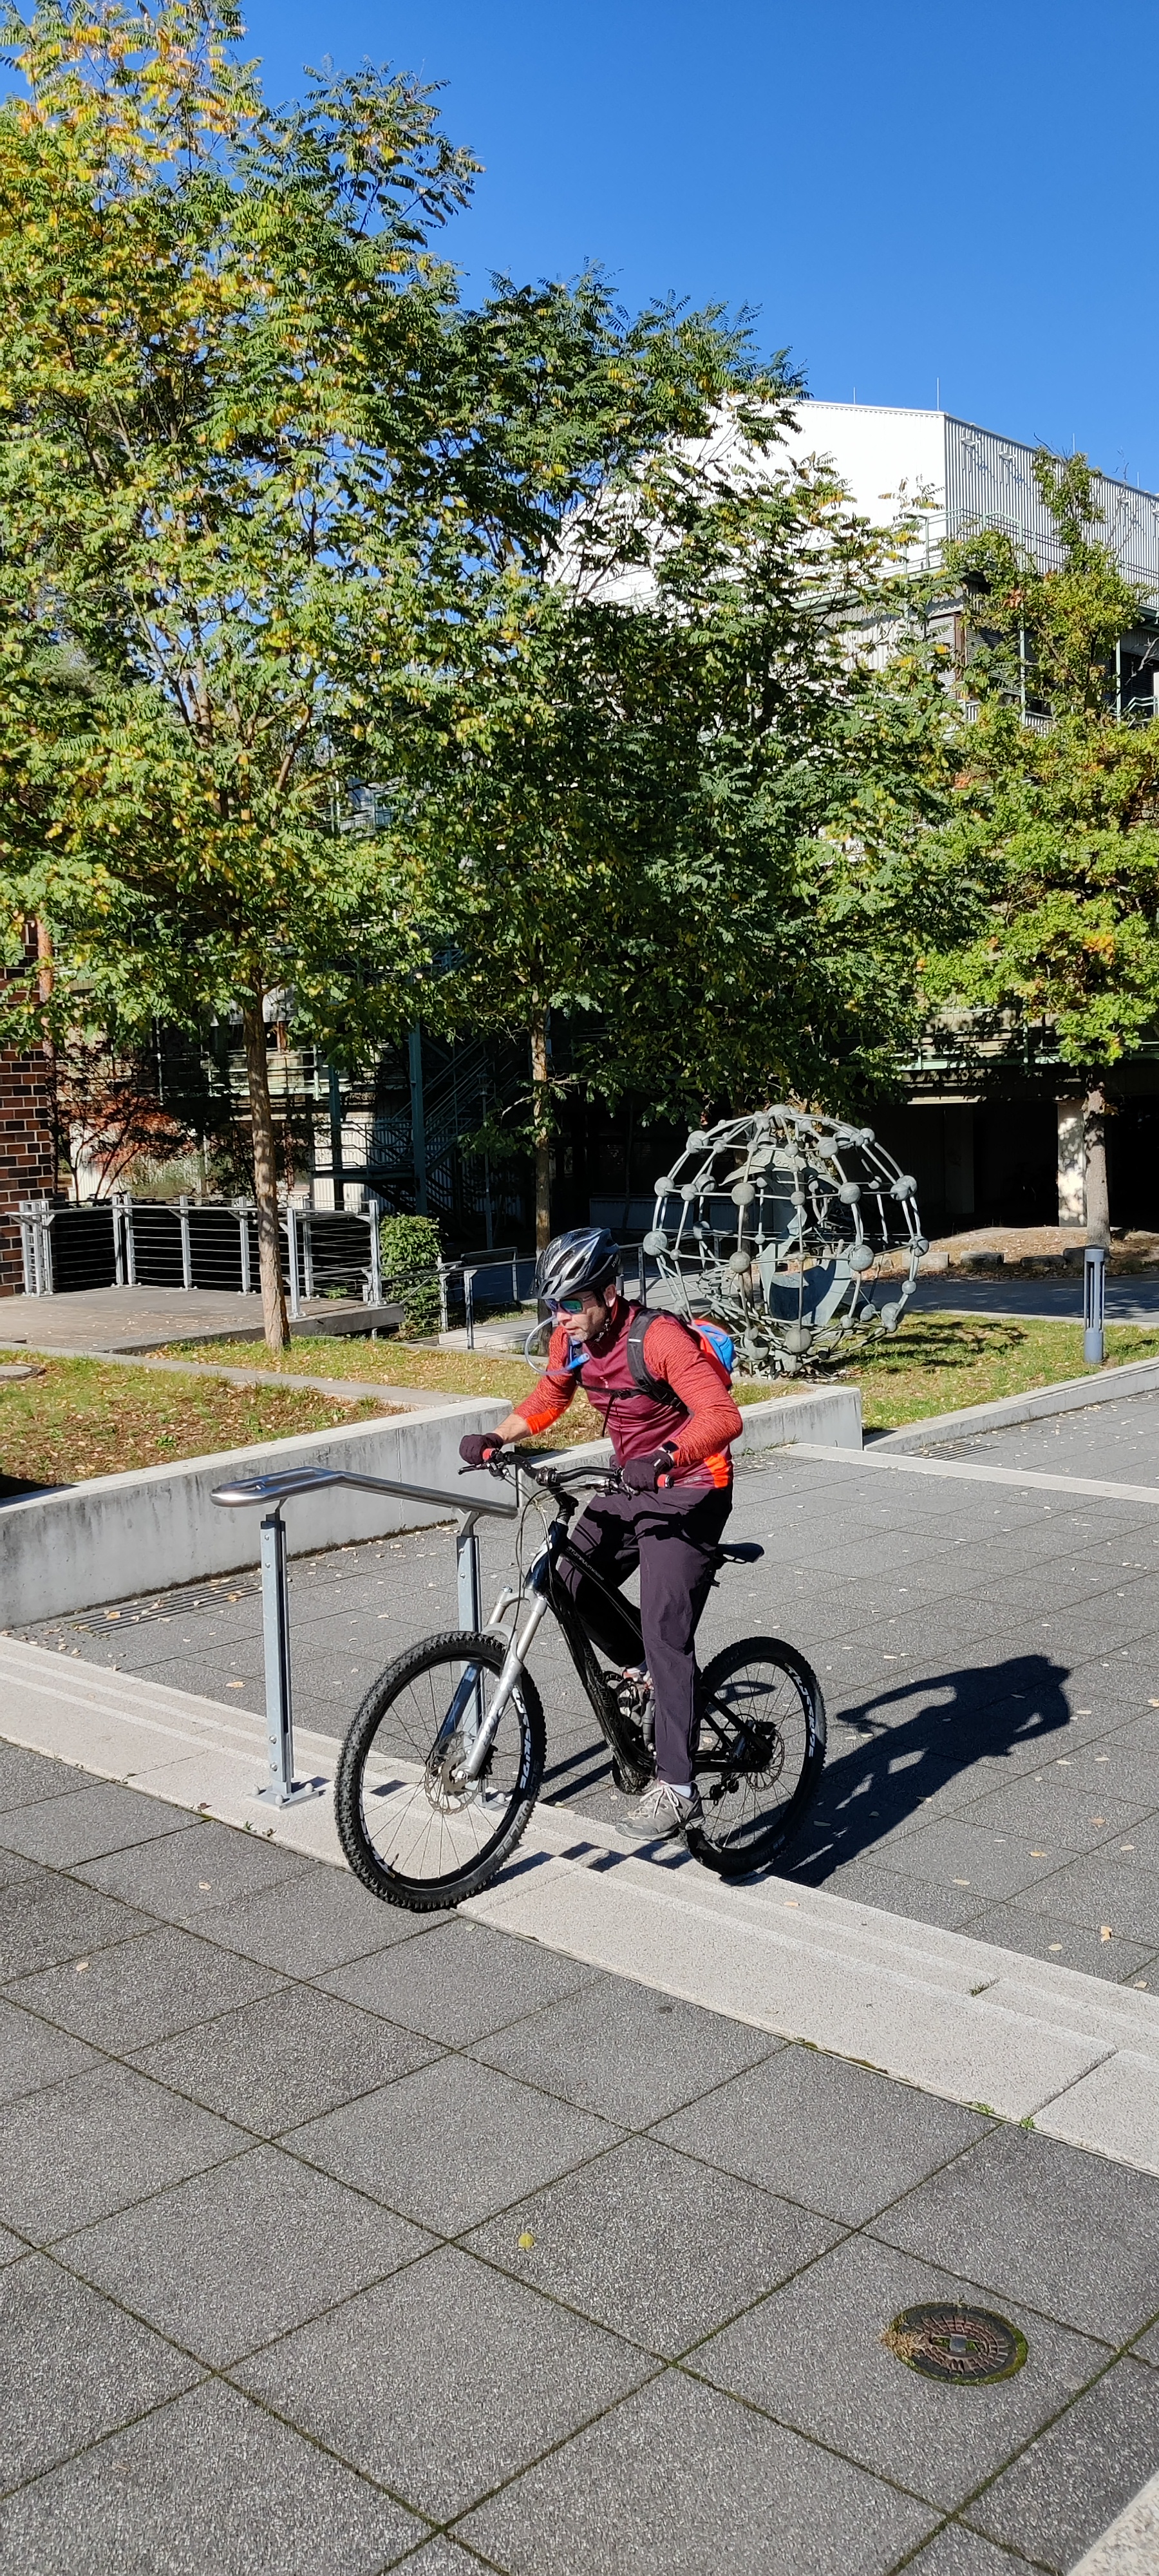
x=699, y=1423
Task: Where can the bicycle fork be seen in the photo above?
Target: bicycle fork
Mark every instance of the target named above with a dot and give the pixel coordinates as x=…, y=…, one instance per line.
x=513, y=1664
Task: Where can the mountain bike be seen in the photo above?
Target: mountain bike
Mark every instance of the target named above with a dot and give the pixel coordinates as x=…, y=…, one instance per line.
x=442, y=1764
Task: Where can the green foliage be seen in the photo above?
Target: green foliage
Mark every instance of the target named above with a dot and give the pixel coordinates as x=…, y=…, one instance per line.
x=1055, y=824
x=411, y=1252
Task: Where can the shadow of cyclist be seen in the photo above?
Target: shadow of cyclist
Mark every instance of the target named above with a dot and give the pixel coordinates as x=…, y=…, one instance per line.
x=898, y=1766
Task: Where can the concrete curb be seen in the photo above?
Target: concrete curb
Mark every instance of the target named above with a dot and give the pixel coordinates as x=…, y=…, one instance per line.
x=1069, y=1395
x=1013, y=2037
x=158, y=1526
x=405, y=1398
x=1131, y=2546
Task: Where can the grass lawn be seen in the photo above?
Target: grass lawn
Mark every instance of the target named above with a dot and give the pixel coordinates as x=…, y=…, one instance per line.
x=935, y=1364
x=82, y=1418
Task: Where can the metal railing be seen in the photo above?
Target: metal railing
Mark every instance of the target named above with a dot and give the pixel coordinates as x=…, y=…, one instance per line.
x=122, y=1242
x=282, y=1789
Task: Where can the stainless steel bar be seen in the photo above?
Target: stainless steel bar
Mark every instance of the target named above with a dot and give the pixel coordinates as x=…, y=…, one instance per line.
x=243, y=1224
x=470, y=1612
x=307, y=1254
x=130, y=1238
x=118, y=1246
x=311, y=1480
x=281, y=1790
x=292, y=1261
x=1094, y=1304
x=186, y=1243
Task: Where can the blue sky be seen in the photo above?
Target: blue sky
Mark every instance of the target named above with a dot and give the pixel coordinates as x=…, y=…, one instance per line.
x=906, y=193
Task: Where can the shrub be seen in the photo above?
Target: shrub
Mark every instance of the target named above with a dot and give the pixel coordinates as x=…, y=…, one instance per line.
x=410, y=1256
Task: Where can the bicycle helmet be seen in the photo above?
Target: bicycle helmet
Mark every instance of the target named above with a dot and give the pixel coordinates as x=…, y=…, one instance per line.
x=587, y=1257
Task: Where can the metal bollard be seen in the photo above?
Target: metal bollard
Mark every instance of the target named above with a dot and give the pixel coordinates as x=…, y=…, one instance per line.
x=243, y=1242
x=118, y=1254
x=292, y=1260
x=470, y=1607
x=130, y=1238
x=1094, y=1304
x=186, y=1243
x=283, y=1790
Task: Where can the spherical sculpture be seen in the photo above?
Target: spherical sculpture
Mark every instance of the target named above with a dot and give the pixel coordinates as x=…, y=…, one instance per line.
x=776, y=1226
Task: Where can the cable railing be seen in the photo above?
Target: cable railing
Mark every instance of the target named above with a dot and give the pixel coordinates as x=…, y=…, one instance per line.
x=122, y=1242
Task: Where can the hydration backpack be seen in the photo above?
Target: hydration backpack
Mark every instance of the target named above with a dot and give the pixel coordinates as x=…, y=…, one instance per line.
x=715, y=1345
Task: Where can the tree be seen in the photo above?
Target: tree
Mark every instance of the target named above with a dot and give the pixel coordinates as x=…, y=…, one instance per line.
x=683, y=799
x=1055, y=825
x=257, y=472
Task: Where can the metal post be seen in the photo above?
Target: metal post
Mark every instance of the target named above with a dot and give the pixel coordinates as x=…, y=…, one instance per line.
x=307, y=1254
x=47, y=1289
x=469, y=1306
x=282, y=1790
x=418, y=1128
x=375, y=1254
x=186, y=1243
x=292, y=1260
x=337, y=1179
x=444, y=1309
x=118, y=1252
x=130, y=1238
x=26, y=1251
x=470, y=1614
x=243, y=1231
x=1094, y=1303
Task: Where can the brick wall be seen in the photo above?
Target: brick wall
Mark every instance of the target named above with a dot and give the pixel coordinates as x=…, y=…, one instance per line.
x=27, y=1161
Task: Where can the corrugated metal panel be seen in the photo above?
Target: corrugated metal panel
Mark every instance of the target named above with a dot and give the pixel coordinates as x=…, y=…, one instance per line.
x=990, y=484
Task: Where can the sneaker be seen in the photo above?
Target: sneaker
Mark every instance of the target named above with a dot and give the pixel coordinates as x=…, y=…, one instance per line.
x=663, y=1813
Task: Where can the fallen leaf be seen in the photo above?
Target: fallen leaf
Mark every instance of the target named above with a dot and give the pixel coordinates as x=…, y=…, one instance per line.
x=961, y=1882
x=1098, y=1820
x=526, y=2241
x=1104, y=1932
x=1040, y=1855
x=235, y=1685
x=1056, y=1945
x=81, y=1964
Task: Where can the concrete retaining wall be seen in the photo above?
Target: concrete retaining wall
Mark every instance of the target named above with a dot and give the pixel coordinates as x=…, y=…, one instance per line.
x=1068, y=1395
x=117, y=1536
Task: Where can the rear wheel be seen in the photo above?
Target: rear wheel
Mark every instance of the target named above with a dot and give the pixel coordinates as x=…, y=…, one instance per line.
x=760, y=1754
x=413, y=1829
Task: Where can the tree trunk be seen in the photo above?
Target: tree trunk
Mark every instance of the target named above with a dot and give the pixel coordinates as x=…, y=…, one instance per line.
x=541, y=1128
x=1095, y=1162
x=265, y=1180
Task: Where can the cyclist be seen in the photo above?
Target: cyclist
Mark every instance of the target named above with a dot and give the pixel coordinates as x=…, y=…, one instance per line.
x=672, y=1450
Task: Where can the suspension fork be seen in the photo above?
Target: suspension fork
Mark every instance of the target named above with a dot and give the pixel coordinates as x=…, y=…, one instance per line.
x=538, y=1586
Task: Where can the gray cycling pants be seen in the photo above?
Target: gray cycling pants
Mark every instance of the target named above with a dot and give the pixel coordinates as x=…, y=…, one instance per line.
x=673, y=1538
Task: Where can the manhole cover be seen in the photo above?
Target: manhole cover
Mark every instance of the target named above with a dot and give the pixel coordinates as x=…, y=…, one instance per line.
x=970, y=2345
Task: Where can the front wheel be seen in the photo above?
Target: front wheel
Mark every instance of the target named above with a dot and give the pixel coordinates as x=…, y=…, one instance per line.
x=760, y=1754
x=412, y=1828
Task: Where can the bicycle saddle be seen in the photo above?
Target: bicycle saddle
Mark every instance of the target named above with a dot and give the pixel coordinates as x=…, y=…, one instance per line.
x=744, y=1551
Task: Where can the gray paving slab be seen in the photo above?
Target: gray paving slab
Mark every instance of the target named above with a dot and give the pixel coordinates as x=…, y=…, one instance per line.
x=461, y=1982
x=45, y=1919
x=12, y=1867
x=285, y=2058
x=733, y=2489
x=1065, y=1945
x=313, y=1922
x=654, y=2244
x=497, y=2140
x=91, y=2144
x=625, y=2051
x=1104, y=1887
x=814, y=2358
x=26, y=1777
x=163, y=1981
x=831, y=2107
x=188, y=1873
x=992, y=1864
x=155, y=2499
x=90, y=1824
x=493, y=2375
x=1069, y=2234
x=1062, y=2492
x=956, y=2551
x=32, y=2053
x=227, y=2261
x=445, y=2558
x=74, y=2368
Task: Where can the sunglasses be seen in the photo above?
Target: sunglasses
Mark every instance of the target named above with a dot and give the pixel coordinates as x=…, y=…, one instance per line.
x=566, y=1305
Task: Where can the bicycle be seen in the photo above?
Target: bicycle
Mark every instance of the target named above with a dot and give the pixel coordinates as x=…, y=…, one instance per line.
x=435, y=1786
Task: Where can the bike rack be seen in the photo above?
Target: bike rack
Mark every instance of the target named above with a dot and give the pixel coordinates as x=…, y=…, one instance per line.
x=282, y=1790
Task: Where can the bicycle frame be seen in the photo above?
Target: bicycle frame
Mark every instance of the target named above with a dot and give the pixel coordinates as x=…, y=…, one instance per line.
x=546, y=1593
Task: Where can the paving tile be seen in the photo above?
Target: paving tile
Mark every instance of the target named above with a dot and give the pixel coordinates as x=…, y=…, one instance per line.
x=195, y=1872
x=316, y=1922
x=653, y=2244
x=26, y=1776
x=13, y=1866
x=1102, y=1888
x=373, y=2380
x=452, y=2143
x=285, y=2058
x=1061, y=1944
x=109, y=1818
x=1062, y=2493
x=867, y=2138
x=626, y=2051
x=445, y=2558
x=956, y=2551
x=32, y=2053
x=232, y=2258
x=74, y=2367
x=90, y=2144
x=990, y=1863
x=729, y=2490
x=208, y=2486
x=865, y=1882
x=814, y=2358
x=44, y=1918
x=11, y=2247
x=144, y=1989
x=1047, y=2225
x=461, y=1982
x=1071, y=1810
